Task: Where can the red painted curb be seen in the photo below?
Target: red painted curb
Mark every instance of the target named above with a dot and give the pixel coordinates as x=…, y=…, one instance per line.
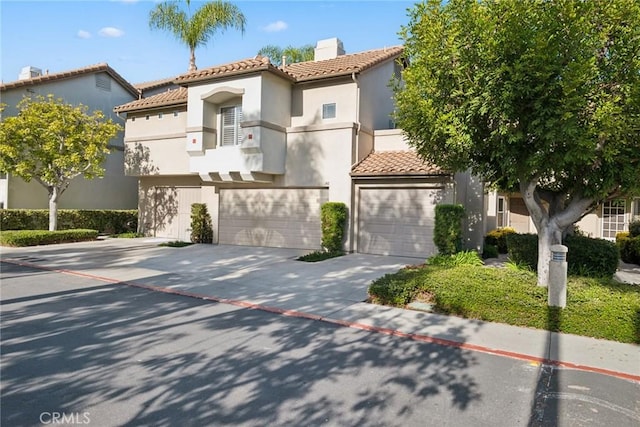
x=339, y=322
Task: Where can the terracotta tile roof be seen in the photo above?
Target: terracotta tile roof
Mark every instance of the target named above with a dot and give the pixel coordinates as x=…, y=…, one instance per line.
x=395, y=163
x=91, y=69
x=164, y=99
x=341, y=65
x=259, y=63
x=154, y=83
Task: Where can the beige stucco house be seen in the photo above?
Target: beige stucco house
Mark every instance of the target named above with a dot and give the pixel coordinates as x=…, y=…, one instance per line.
x=265, y=146
x=99, y=87
x=605, y=221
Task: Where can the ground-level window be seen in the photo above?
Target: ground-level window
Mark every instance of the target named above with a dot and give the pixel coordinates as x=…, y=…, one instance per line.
x=613, y=218
x=231, y=118
x=501, y=212
x=636, y=209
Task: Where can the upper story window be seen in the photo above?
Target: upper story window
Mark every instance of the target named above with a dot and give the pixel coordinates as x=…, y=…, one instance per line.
x=230, y=118
x=329, y=111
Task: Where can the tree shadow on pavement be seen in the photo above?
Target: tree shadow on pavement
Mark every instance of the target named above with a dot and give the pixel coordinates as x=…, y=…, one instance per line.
x=134, y=357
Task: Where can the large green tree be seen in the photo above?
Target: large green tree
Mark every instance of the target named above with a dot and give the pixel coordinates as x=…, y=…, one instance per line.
x=197, y=28
x=52, y=142
x=540, y=97
x=291, y=53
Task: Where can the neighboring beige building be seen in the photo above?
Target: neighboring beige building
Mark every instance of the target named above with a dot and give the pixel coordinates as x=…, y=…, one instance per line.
x=265, y=146
x=98, y=87
x=605, y=221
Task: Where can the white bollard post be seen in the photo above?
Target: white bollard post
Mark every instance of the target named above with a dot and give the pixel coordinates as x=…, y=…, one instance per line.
x=557, y=292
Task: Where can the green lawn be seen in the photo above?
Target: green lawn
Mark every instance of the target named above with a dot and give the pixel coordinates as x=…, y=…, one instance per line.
x=598, y=308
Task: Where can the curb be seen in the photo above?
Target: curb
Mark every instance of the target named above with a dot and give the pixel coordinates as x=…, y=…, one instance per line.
x=343, y=323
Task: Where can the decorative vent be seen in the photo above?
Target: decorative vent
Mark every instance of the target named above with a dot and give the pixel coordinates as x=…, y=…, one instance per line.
x=103, y=81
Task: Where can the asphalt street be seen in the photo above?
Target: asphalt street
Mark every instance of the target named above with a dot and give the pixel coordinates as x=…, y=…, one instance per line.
x=79, y=351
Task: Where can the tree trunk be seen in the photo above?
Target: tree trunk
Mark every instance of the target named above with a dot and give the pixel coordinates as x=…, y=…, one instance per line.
x=53, y=209
x=192, y=60
x=548, y=235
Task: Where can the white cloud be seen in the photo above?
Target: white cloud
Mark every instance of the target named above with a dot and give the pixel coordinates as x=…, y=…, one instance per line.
x=84, y=34
x=111, y=32
x=275, y=27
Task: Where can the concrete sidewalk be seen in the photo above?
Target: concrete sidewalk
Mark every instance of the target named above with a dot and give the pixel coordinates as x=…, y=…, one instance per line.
x=333, y=291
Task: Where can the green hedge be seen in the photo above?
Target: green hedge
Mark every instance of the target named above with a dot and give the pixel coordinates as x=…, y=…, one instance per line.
x=634, y=229
x=105, y=221
x=498, y=238
x=333, y=216
x=591, y=257
x=629, y=248
x=586, y=256
x=523, y=249
x=397, y=289
x=447, y=233
x=44, y=237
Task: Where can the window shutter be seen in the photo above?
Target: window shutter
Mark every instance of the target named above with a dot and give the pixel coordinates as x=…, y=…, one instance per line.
x=228, y=125
x=238, y=120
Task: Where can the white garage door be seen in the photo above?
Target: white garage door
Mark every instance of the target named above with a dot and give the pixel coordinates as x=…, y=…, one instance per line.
x=398, y=221
x=172, y=211
x=282, y=218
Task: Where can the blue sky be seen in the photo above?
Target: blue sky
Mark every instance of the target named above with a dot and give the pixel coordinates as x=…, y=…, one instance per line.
x=63, y=35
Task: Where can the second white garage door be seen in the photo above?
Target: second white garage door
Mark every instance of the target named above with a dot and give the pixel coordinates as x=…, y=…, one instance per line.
x=398, y=221
x=283, y=218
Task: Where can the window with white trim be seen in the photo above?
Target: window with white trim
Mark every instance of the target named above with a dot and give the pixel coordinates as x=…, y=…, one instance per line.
x=613, y=218
x=635, y=213
x=230, y=118
x=501, y=212
x=329, y=111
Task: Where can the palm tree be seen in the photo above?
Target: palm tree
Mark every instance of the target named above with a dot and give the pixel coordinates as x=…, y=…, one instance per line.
x=196, y=29
x=292, y=54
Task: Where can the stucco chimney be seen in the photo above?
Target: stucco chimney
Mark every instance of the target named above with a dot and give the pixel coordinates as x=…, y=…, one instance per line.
x=328, y=49
x=29, y=72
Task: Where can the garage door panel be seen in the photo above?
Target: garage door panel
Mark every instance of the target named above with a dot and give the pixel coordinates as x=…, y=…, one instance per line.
x=398, y=221
x=271, y=217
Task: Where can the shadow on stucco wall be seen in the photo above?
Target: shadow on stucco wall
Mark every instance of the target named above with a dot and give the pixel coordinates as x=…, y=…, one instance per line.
x=157, y=205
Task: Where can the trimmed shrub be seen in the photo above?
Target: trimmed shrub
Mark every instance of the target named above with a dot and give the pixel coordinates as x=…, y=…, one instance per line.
x=447, y=234
x=489, y=251
x=105, y=221
x=319, y=256
x=591, y=257
x=201, y=227
x=523, y=249
x=396, y=289
x=333, y=216
x=45, y=237
x=587, y=256
x=498, y=238
x=629, y=248
x=634, y=228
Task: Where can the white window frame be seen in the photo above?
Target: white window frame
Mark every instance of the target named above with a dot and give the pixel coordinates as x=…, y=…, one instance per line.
x=329, y=107
x=230, y=128
x=504, y=212
x=635, y=211
x=611, y=227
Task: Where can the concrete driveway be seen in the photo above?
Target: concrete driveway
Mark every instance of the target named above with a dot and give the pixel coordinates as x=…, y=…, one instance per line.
x=265, y=276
